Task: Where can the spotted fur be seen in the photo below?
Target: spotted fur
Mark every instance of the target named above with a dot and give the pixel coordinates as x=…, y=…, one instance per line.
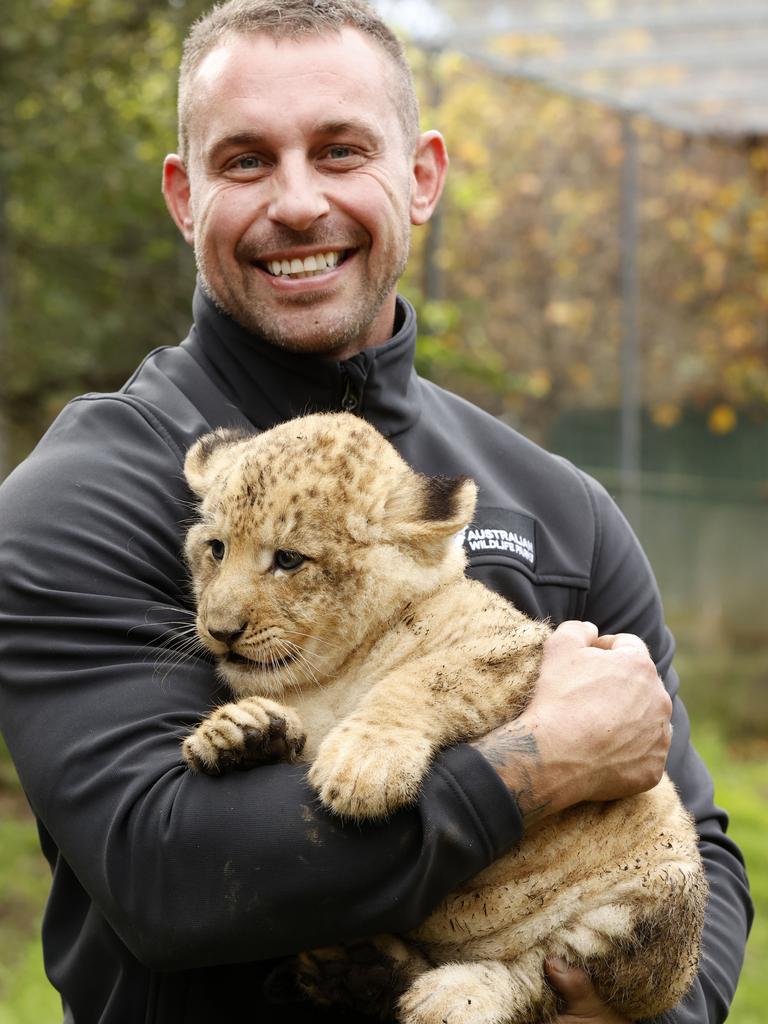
x=367, y=656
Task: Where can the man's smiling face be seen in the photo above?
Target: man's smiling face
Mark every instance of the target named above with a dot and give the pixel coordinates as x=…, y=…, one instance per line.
x=299, y=189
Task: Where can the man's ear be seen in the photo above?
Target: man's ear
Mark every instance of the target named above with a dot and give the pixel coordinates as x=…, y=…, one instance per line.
x=177, y=195
x=430, y=165
x=210, y=455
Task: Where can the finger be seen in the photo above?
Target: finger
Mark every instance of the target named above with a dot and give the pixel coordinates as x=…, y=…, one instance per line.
x=582, y=634
x=574, y=986
x=605, y=642
x=628, y=640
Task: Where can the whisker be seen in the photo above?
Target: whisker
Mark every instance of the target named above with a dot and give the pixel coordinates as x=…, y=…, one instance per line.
x=291, y=648
x=311, y=636
x=185, y=622
x=177, y=609
x=298, y=648
x=170, y=636
x=173, y=639
x=177, y=645
x=301, y=656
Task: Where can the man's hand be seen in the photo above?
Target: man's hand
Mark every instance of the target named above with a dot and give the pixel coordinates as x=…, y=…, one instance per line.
x=597, y=727
x=583, y=1005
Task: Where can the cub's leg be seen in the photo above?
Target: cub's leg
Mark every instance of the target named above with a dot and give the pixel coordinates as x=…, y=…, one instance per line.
x=244, y=734
x=374, y=761
x=481, y=992
x=653, y=967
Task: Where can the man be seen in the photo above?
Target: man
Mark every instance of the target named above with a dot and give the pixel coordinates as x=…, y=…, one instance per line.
x=300, y=173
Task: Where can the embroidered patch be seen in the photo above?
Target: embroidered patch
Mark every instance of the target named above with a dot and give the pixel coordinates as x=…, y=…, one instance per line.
x=500, y=532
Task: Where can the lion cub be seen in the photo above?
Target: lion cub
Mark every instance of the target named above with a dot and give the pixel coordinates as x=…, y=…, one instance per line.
x=330, y=587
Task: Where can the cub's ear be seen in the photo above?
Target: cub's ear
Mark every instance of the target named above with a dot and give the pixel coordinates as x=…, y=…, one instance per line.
x=448, y=503
x=209, y=455
x=424, y=510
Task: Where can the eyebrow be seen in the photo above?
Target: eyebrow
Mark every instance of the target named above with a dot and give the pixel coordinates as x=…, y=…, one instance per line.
x=353, y=126
x=259, y=140
x=251, y=139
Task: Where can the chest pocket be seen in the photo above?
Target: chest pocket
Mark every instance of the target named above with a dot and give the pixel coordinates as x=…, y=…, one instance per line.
x=509, y=552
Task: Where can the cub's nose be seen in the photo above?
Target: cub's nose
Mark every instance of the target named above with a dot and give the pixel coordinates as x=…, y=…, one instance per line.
x=228, y=636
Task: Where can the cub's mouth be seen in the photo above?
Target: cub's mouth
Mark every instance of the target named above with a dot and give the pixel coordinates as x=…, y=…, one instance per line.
x=272, y=665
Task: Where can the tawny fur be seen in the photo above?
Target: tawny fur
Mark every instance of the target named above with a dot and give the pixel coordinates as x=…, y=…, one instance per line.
x=373, y=653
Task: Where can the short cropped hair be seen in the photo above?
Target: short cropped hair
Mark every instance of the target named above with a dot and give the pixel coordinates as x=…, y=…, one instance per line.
x=294, y=19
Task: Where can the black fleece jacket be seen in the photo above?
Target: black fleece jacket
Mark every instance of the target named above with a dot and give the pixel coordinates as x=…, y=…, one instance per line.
x=172, y=892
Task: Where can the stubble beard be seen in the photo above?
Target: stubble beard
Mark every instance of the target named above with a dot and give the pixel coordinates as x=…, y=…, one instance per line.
x=322, y=335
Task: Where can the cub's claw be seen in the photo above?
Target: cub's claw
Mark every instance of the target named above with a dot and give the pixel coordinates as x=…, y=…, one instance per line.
x=242, y=735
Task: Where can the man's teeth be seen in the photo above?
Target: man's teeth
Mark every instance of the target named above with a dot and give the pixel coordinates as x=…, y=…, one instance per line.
x=306, y=267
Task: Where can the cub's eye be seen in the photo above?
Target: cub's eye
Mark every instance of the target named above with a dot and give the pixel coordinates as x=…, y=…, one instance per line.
x=218, y=548
x=287, y=560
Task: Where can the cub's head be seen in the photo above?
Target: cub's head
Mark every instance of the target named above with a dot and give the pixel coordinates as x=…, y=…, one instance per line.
x=312, y=536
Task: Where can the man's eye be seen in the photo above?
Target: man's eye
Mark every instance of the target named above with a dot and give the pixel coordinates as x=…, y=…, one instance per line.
x=247, y=163
x=287, y=560
x=218, y=549
x=339, y=152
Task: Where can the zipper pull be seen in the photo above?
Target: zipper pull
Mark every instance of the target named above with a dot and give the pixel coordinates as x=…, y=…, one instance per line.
x=350, y=400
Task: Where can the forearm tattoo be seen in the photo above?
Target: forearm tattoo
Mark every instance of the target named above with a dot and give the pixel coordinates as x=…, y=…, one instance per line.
x=514, y=753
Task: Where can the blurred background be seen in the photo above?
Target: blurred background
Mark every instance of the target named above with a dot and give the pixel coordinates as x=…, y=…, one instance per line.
x=597, y=275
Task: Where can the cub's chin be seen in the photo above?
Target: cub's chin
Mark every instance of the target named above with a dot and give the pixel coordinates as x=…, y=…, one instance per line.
x=247, y=677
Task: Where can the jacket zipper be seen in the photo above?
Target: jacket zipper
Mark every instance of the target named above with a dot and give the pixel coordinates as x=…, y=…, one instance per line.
x=350, y=399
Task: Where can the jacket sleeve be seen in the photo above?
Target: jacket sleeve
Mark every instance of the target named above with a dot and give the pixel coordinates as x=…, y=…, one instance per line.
x=100, y=681
x=624, y=598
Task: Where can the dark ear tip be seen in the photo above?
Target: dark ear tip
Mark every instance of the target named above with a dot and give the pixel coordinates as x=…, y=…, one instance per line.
x=440, y=496
x=208, y=443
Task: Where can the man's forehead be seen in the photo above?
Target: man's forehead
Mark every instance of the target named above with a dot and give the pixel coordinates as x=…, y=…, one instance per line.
x=259, y=57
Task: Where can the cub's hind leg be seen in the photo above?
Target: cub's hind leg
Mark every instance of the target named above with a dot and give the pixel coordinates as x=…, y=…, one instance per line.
x=640, y=950
x=481, y=992
x=650, y=969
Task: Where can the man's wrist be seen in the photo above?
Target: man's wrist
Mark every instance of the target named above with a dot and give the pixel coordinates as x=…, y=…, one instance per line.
x=513, y=751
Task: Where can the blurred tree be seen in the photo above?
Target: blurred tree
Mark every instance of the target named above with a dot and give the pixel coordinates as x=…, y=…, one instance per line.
x=516, y=285
x=530, y=257
x=95, y=275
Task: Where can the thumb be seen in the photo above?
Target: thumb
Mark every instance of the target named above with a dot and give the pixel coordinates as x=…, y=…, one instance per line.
x=574, y=986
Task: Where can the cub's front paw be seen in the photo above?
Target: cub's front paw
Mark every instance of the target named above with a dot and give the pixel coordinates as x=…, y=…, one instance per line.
x=244, y=734
x=359, y=773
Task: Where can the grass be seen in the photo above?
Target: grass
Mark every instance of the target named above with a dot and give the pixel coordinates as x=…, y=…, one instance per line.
x=740, y=769
x=28, y=998
x=25, y=995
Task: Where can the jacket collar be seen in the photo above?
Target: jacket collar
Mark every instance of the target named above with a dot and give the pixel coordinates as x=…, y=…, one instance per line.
x=270, y=384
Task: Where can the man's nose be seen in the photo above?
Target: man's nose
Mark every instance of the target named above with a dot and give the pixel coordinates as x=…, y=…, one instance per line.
x=298, y=198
